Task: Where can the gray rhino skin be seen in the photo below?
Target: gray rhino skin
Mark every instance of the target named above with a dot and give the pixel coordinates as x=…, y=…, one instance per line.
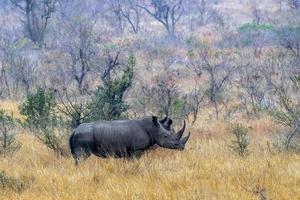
x=124, y=138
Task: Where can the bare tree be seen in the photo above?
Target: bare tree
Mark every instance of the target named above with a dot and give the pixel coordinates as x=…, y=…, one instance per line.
x=78, y=43
x=17, y=66
x=131, y=12
x=254, y=92
x=76, y=109
x=24, y=73
x=294, y=4
x=6, y=61
x=111, y=63
x=289, y=38
x=37, y=14
x=116, y=15
x=166, y=90
x=256, y=12
x=279, y=3
x=195, y=99
x=168, y=13
x=218, y=66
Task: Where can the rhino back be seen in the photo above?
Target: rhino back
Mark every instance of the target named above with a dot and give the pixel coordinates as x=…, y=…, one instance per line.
x=118, y=135
x=113, y=137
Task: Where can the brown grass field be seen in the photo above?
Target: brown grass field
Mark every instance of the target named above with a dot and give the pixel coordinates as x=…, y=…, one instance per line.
x=206, y=169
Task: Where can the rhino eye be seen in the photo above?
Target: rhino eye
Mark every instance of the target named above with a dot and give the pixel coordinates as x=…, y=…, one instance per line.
x=165, y=136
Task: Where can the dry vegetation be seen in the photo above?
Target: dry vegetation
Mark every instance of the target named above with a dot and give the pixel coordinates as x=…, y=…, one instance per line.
x=220, y=62
x=207, y=169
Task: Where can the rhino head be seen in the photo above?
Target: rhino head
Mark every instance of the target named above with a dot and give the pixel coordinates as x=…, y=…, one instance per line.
x=165, y=135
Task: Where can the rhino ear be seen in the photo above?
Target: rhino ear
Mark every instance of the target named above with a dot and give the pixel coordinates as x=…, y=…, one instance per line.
x=163, y=120
x=169, y=122
x=154, y=120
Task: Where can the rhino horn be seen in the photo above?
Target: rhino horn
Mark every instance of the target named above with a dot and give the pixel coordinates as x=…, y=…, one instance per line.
x=180, y=132
x=185, y=139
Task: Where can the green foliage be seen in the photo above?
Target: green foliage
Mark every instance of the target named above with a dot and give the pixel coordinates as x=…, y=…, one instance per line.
x=254, y=27
x=255, y=34
x=241, y=142
x=39, y=108
x=19, y=43
x=8, y=143
x=191, y=53
x=53, y=141
x=108, y=102
x=287, y=113
x=177, y=108
x=109, y=47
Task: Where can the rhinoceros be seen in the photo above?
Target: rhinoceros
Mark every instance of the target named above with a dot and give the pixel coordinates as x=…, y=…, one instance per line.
x=124, y=138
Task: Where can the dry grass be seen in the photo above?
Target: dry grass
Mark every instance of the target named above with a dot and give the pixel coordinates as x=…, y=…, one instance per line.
x=207, y=169
x=11, y=107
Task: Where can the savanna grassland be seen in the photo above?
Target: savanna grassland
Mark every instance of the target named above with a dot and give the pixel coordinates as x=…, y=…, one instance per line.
x=206, y=169
x=229, y=68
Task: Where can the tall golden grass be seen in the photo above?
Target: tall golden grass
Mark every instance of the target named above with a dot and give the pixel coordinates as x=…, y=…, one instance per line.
x=206, y=169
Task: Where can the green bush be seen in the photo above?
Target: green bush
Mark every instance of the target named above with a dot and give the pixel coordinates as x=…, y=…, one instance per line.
x=241, y=140
x=248, y=27
x=177, y=109
x=253, y=34
x=108, y=102
x=8, y=143
x=53, y=141
x=39, y=108
x=287, y=113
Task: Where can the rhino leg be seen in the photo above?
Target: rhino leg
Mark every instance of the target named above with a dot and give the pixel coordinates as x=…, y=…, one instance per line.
x=81, y=152
x=135, y=154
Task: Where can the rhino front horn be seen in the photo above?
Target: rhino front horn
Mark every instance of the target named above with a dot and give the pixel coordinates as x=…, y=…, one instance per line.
x=185, y=139
x=180, y=133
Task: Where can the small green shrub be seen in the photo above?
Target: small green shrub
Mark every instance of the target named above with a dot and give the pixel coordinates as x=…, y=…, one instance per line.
x=39, y=108
x=8, y=143
x=108, y=102
x=287, y=114
x=247, y=27
x=241, y=140
x=177, y=108
x=53, y=141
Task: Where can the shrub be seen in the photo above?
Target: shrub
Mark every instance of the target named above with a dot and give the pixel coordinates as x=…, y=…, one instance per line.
x=177, y=110
x=287, y=113
x=76, y=111
x=282, y=141
x=254, y=27
x=108, y=102
x=39, y=108
x=8, y=143
x=53, y=141
x=241, y=142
